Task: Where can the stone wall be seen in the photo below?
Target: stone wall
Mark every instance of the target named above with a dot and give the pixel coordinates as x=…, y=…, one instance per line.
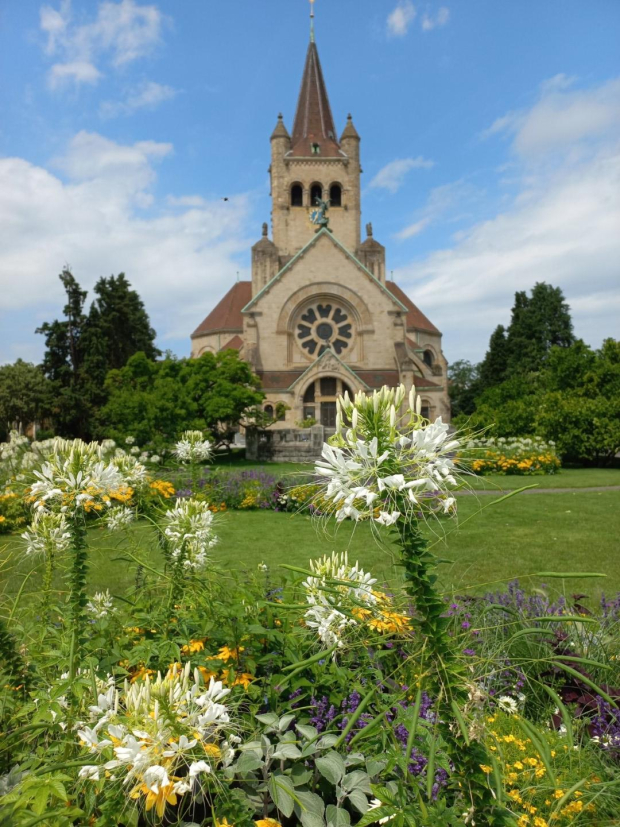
x=286, y=444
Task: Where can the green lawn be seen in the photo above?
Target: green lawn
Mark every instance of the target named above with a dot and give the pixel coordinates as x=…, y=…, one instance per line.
x=566, y=478
x=524, y=534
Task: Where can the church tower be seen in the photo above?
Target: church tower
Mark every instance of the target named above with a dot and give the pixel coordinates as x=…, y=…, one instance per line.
x=312, y=163
x=319, y=317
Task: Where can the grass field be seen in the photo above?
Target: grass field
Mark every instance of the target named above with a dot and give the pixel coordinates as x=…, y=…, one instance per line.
x=566, y=478
x=492, y=544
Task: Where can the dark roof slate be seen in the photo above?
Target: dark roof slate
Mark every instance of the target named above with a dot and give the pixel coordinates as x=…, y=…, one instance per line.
x=416, y=320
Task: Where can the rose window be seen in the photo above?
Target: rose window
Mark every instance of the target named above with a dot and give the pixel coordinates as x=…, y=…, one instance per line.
x=324, y=326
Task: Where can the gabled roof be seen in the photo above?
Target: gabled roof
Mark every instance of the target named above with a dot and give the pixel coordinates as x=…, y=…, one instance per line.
x=416, y=320
x=226, y=315
x=314, y=122
x=328, y=352
x=324, y=232
x=236, y=343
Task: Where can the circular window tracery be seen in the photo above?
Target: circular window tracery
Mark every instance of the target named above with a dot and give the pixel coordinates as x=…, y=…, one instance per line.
x=322, y=326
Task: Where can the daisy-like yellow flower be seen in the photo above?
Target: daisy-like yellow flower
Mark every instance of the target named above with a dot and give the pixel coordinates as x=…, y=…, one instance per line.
x=223, y=823
x=267, y=822
x=244, y=680
x=486, y=768
x=164, y=795
x=207, y=674
x=226, y=654
x=141, y=674
x=213, y=751
x=193, y=646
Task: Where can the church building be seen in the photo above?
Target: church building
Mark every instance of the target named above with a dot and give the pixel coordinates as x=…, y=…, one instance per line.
x=320, y=316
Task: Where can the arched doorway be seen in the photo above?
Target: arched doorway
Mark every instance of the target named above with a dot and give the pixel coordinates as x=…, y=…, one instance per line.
x=320, y=399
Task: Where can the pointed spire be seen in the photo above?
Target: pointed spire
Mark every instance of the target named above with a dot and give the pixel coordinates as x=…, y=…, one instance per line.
x=314, y=132
x=280, y=131
x=349, y=131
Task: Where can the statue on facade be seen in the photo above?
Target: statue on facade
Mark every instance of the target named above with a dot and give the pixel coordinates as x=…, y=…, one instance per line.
x=369, y=230
x=319, y=215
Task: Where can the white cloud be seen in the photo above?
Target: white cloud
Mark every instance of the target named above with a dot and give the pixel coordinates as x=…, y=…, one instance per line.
x=121, y=31
x=440, y=201
x=392, y=176
x=147, y=95
x=562, y=229
x=440, y=19
x=181, y=261
x=186, y=201
x=79, y=71
x=562, y=118
x=401, y=18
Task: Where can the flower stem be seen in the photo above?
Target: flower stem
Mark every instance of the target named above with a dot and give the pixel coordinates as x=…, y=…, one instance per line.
x=446, y=677
x=77, y=592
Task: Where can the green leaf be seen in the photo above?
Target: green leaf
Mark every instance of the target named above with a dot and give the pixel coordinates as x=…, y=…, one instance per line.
x=282, y=793
x=287, y=750
x=356, y=780
x=331, y=766
x=376, y=814
x=307, y=732
x=359, y=800
x=300, y=775
x=337, y=817
x=374, y=766
x=248, y=762
x=310, y=804
x=269, y=718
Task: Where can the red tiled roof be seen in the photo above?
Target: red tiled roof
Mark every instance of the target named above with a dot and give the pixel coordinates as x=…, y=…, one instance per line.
x=278, y=379
x=314, y=122
x=227, y=314
x=415, y=318
x=236, y=343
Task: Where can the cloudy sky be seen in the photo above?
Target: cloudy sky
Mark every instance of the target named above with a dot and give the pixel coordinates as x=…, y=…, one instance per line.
x=490, y=145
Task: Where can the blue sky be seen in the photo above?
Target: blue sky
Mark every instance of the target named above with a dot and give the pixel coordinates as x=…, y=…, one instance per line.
x=490, y=146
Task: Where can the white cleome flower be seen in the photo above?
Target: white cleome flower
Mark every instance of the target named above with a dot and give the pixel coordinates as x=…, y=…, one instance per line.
x=75, y=478
x=193, y=447
x=386, y=467
x=188, y=529
x=100, y=605
x=48, y=534
x=336, y=585
x=119, y=517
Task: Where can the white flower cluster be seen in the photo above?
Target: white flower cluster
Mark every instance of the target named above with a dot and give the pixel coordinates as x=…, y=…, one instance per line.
x=100, y=605
x=119, y=517
x=188, y=529
x=48, y=534
x=193, y=447
x=335, y=585
x=162, y=738
x=383, y=466
x=75, y=478
x=513, y=445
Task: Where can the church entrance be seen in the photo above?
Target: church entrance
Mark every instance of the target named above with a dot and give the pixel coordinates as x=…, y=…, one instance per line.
x=320, y=400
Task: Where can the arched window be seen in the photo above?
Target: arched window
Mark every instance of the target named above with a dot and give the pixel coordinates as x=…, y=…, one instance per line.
x=425, y=410
x=316, y=191
x=315, y=149
x=335, y=195
x=297, y=195
x=269, y=410
x=428, y=358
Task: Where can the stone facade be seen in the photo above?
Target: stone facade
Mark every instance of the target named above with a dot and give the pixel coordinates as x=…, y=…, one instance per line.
x=319, y=316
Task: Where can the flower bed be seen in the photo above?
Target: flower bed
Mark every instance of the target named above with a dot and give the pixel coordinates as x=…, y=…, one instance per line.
x=318, y=696
x=514, y=456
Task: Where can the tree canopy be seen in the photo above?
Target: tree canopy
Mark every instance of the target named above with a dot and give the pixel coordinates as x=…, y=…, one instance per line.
x=24, y=395
x=83, y=346
x=155, y=401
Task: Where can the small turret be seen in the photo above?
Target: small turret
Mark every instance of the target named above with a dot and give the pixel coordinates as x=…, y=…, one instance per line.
x=280, y=130
x=265, y=261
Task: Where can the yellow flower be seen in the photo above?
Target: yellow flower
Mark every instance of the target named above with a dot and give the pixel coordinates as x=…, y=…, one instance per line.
x=192, y=647
x=267, y=822
x=486, y=768
x=165, y=795
x=207, y=674
x=244, y=680
x=227, y=654
x=141, y=674
x=223, y=823
x=213, y=751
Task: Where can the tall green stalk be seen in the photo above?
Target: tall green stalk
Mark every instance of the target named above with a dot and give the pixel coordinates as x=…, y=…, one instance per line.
x=446, y=679
x=77, y=591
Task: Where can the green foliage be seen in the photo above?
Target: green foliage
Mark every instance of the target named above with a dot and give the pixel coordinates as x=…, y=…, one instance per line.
x=84, y=346
x=462, y=386
x=573, y=400
x=24, y=395
x=155, y=401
